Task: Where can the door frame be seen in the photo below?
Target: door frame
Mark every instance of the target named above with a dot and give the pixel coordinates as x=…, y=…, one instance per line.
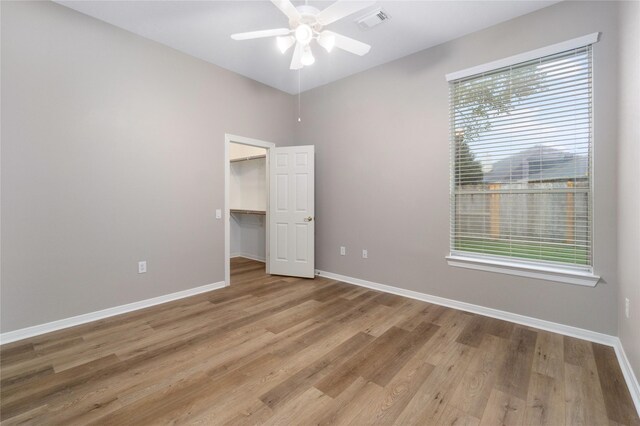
x=228, y=139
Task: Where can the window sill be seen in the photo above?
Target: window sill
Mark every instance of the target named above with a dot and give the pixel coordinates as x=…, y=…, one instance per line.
x=576, y=277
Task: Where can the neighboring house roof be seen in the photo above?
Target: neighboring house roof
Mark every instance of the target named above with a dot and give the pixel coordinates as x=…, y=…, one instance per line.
x=539, y=163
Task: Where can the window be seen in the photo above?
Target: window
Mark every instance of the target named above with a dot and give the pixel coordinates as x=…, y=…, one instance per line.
x=521, y=169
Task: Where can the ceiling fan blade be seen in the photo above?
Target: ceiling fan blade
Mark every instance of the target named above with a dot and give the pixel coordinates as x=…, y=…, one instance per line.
x=296, y=60
x=339, y=10
x=347, y=43
x=260, y=34
x=288, y=9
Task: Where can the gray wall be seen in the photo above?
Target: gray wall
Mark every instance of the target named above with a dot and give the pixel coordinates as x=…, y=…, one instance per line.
x=112, y=152
x=249, y=232
x=628, y=178
x=382, y=170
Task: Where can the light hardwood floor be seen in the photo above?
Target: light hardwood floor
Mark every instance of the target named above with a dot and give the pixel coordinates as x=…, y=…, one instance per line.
x=275, y=350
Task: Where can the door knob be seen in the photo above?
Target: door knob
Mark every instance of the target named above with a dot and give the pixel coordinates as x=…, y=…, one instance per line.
x=308, y=219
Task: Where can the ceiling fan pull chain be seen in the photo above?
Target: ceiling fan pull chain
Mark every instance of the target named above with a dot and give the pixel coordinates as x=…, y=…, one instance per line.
x=299, y=78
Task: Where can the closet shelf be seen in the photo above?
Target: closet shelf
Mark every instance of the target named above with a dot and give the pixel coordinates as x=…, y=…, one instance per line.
x=241, y=211
x=253, y=157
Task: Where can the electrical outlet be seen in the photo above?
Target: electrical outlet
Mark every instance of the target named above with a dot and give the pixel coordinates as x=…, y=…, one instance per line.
x=142, y=267
x=626, y=307
x=365, y=254
x=343, y=250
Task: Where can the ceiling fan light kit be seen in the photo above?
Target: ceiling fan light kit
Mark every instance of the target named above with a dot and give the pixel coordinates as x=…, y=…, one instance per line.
x=327, y=41
x=306, y=24
x=307, y=56
x=284, y=43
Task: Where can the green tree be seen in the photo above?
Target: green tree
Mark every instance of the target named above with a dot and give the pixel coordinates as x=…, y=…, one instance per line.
x=476, y=102
x=468, y=170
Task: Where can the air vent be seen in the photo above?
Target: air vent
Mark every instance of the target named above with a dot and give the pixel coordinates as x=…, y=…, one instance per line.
x=371, y=19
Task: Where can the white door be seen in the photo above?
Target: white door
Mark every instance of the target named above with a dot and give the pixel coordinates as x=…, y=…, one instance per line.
x=291, y=211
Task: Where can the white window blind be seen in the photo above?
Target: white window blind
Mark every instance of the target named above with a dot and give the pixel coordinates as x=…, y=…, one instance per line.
x=521, y=150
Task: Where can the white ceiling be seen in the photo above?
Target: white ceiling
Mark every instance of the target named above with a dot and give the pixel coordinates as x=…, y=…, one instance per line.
x=202, y=29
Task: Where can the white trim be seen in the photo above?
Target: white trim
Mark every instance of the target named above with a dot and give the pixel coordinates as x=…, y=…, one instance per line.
x=524, y=57
x=229, y=138
x=547, y=273
x=23, y=333
x=627, y=372
x=249, y=256
x=566, y=330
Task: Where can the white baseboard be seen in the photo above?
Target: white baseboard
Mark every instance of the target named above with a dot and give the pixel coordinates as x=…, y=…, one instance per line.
x=23, y=333
x=629, y=376
x=249, y=256
x=566, y=330
x=580, y=333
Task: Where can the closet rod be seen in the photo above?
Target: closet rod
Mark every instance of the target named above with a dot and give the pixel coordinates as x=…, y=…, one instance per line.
x=261, y=212
x=253, y=157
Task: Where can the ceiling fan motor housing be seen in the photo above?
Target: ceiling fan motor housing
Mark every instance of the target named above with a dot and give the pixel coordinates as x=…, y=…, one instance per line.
x=308, y=15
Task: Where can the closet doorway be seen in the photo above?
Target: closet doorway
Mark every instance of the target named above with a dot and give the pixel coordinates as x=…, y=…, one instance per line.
x=269, y=207
x=246, y=200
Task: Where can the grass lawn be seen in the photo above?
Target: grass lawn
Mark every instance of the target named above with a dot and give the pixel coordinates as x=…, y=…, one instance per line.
x=533, y=251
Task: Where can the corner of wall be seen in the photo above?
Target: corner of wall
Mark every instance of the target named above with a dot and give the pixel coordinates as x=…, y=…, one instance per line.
x=628, y=175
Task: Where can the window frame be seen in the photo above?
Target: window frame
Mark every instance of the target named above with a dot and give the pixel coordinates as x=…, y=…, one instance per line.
x=571, y=274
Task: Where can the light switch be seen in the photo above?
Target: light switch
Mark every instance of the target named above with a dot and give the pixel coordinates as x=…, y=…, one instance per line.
x=218, y=214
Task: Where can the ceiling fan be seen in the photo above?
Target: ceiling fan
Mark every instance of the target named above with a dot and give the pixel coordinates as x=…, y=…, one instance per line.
x=306, y=23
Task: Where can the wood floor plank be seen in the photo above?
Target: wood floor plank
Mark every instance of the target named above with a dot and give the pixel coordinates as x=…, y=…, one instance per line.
x=412, y=316
x=304, y=378
x=32, y=395
x=473, y=333
x=363, y=363
x=362, y=402
x=435, y=313
x=235, y=404
x=38, y=415
x=218, y=407
x=166, y=404
x=402, y=353
x=428, y=403
x=334, y=411
x=549, y=355
x=17, y=353
x=256, y=413
x=545, y=403
x=399, y=392
x=452, y=416
x=358, y=317
x=12, y=381
x=473, y=391
x=503, y=409
x=389, y=300
x=583, y=396
x=452, y=323
x=576, y=351
x=514, y=377
x=302, y=410
x=583, y=393
x=617, y=399
x=286, y=350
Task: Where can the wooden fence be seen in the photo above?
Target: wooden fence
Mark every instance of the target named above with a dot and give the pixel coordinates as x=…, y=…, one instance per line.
x=558, y=214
